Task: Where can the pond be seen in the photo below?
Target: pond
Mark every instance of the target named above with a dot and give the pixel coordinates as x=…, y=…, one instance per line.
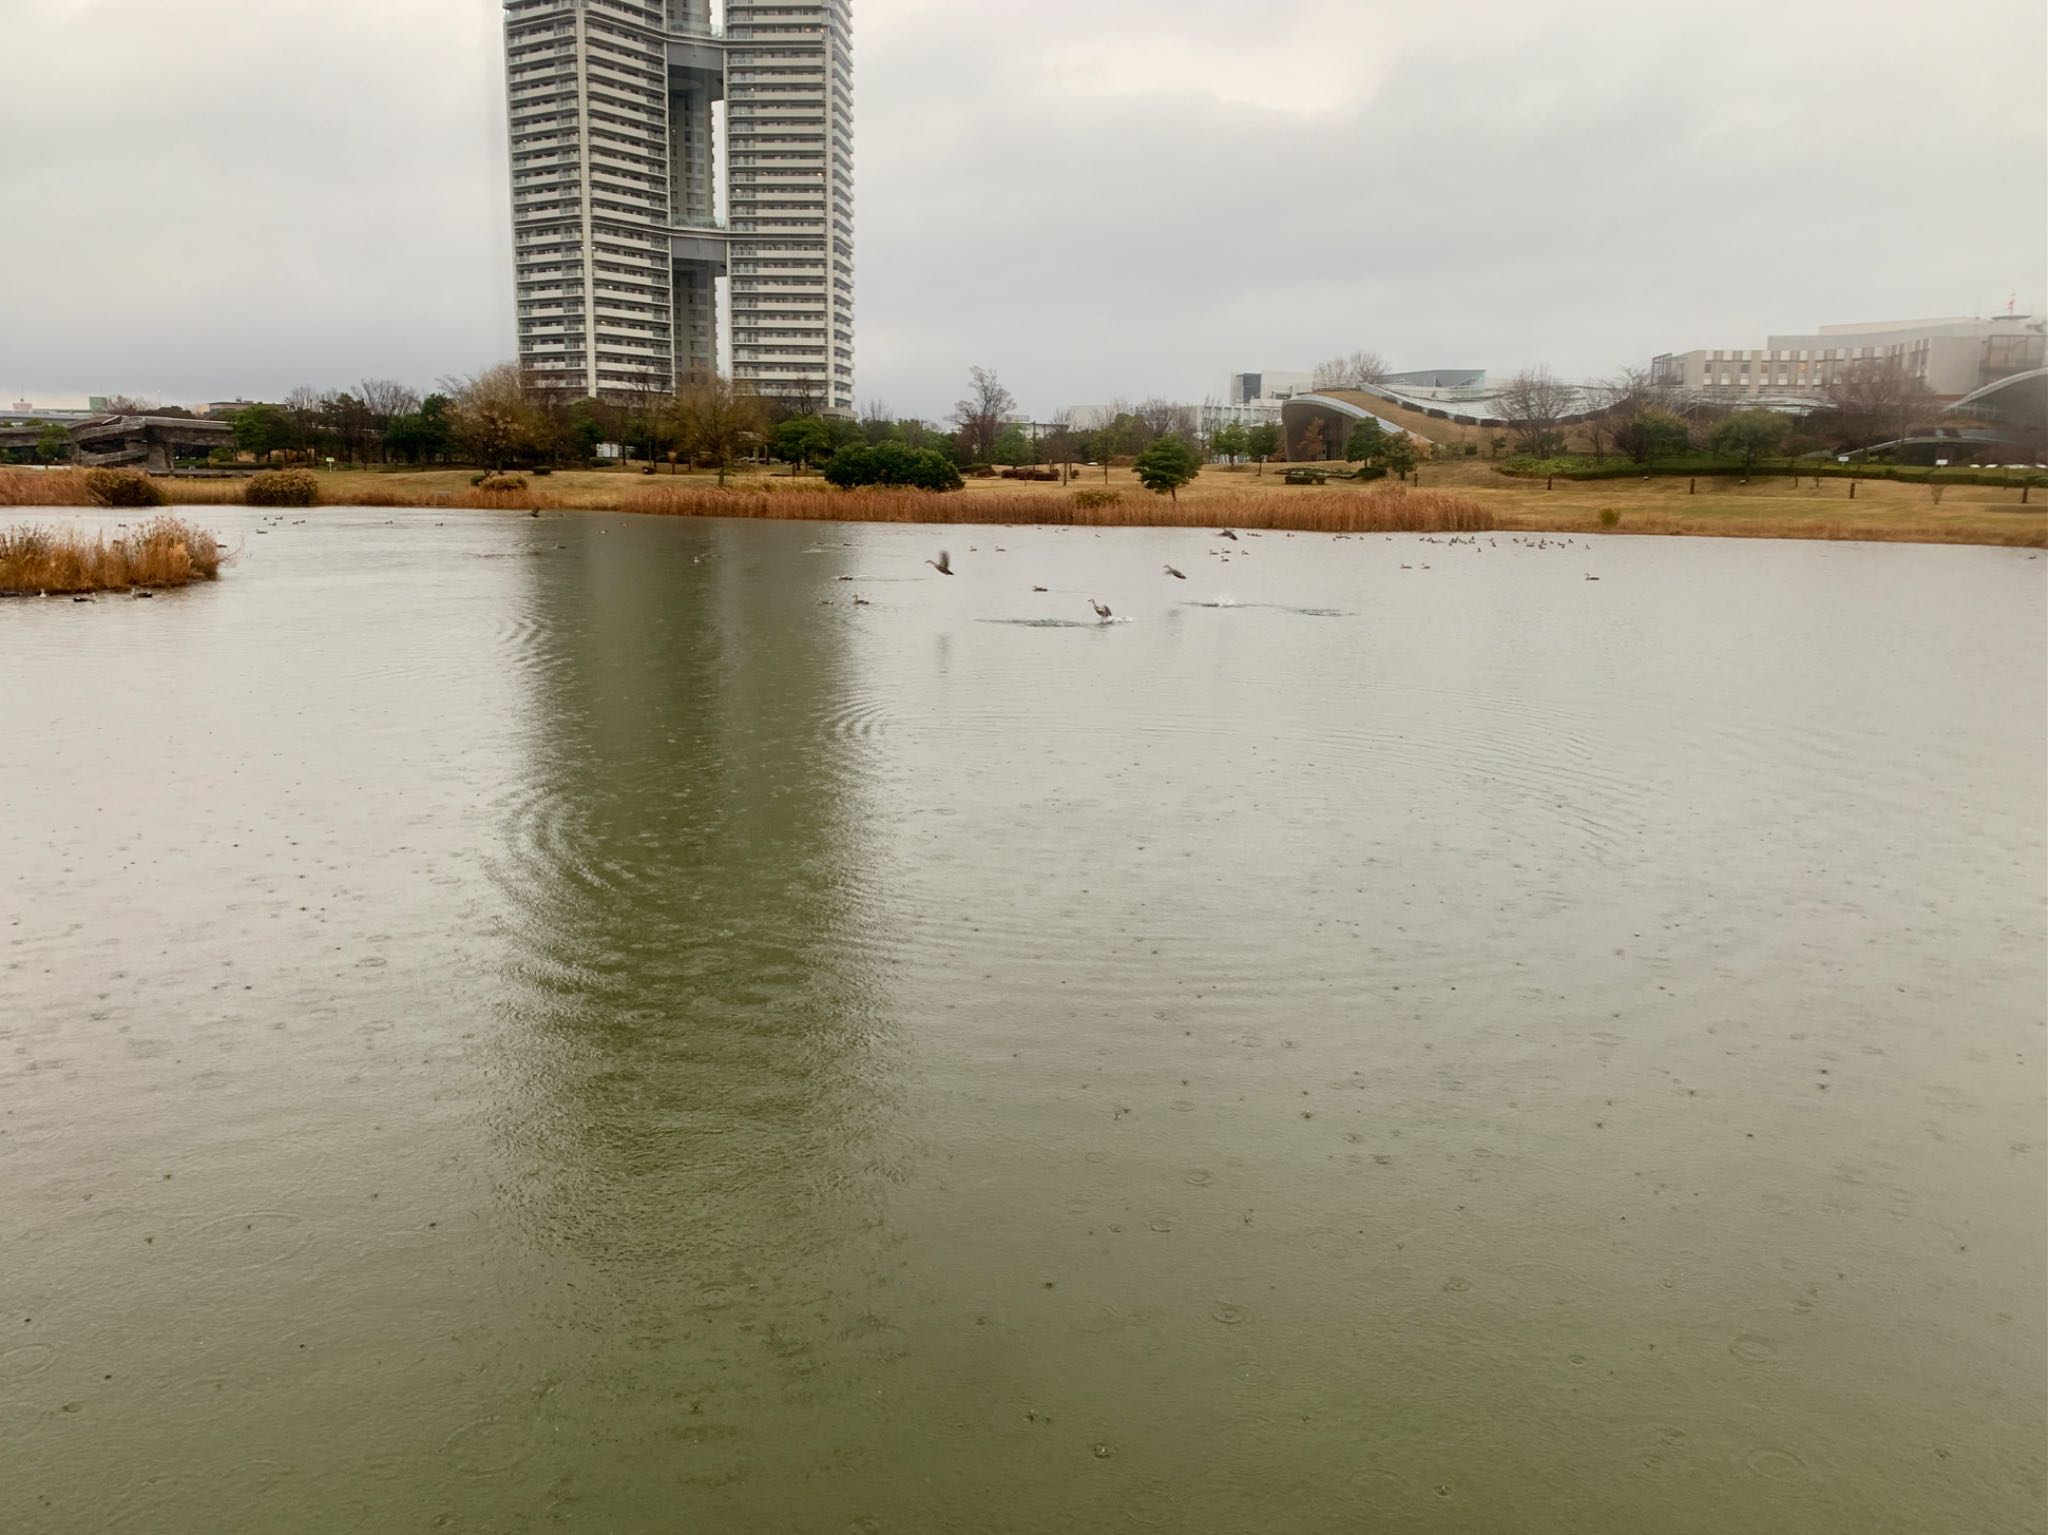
x=616, y=1024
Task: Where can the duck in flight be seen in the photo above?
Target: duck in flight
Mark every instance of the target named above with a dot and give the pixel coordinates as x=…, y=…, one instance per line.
x=1101, y=612
x=943, y=564
x=1175, y=574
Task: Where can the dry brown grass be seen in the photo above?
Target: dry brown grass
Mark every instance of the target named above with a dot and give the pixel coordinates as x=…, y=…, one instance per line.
x=43, y=487
x=2009, y=535
x=1769, y=508
x=1385, y=509
x=204, y=492
x=165, y=551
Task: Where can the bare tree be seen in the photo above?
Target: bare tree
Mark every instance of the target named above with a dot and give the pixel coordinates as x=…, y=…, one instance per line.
x=1163, y=418
x=649, y=406
x=1613, y=404
x=1534, y=403
x=796, y=397
x=131, y=405
x=302, y=410
x=1877, y=399
x=384, y=398
x=980, y=415
x=1361, y=367
x=876, y=423
x=1063, y=443
x=494, y=420
x=716, y=419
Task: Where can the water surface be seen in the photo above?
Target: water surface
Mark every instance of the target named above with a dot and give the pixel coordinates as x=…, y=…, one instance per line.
x=577, y=1024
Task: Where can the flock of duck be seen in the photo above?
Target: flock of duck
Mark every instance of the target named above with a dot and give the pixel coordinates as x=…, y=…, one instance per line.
x=944, y=563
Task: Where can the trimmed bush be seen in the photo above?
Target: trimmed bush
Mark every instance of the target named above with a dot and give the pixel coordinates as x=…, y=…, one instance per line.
x=283, y=487
x=893, y=465
x=500, y=484
x=123, y=487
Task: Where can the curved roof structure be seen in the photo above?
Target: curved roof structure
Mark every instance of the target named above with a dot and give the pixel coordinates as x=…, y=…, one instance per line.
x=2015, y=394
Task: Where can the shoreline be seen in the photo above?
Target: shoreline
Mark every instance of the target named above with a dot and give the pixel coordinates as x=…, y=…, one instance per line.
x=1463, y=498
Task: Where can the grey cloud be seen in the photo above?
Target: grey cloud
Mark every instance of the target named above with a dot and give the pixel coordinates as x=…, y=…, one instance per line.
x=1097, y=199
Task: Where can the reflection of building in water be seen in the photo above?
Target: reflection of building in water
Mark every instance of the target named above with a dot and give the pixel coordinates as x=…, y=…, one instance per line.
x=696, y=1070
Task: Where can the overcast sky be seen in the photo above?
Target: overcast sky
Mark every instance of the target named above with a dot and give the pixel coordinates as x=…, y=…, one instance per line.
x=217, y=198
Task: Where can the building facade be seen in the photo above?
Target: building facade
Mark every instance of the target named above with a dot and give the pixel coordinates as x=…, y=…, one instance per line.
x=1950, y=357
x=1251, y=388
x=659, y=155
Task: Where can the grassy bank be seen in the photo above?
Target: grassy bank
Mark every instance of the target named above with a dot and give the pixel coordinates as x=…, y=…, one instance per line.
x=1766, y=507
x=1380, y=510
x=1703, y=467
x=162, y=552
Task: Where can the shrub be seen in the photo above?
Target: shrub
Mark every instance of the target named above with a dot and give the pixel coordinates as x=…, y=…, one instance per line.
x=499, y=484
x=893, y=465
x=1097, y=500
x=1653, y=433
x=1371, y=472
x=283, y=487
x=123, y=487
x=1167, y=465
x=1610, y=519
x=543, y=469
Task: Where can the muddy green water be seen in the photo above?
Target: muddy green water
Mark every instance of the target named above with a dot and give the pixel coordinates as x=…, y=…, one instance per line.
x=515, y=1025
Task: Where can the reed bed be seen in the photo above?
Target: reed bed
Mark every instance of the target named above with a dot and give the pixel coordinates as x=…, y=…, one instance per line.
x=43, y=487
x=1380, y=508
x=1390, y=510
x=163, y=552
x=203, y=492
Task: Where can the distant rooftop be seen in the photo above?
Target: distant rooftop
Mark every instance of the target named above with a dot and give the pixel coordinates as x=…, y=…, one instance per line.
x=1878, y=327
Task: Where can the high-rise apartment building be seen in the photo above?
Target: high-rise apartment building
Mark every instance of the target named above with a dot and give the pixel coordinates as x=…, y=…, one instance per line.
x=629, y=205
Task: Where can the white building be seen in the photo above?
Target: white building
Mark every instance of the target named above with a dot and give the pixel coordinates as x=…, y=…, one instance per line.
x=1252, y=388
x=1253, y=399
x=1950, y=357
x=629, y=206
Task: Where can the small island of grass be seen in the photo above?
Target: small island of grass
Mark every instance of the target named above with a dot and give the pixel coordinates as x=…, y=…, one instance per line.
x=161, y=553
